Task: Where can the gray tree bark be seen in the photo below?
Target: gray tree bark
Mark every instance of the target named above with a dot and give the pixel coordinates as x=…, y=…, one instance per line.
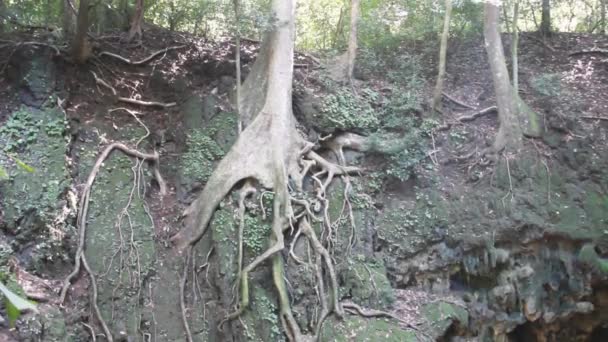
x=68, y=19
x=545, y=21
x=136, y=21
x=442, y=56
x=81, y=49
x=510, y=136
x=352, y=40
x=603, y=5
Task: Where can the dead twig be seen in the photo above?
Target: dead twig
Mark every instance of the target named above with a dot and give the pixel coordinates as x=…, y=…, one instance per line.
x=369, y=313
x=542, y=41
x=143, y=61
x=467, y=118
x=146, y=103
x=456, y=101
x=594, y=118
x=588, y=51
x=105, y=84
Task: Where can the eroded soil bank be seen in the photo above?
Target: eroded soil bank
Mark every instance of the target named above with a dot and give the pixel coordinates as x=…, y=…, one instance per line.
x=453, y=246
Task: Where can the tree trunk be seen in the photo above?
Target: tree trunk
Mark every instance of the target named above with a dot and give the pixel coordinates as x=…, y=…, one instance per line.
x=514, y=46
x=2, y=14
x=136, y=21
x=603, y=5
x=509, y=135
x=352, y=40
x=237, y=61
x=81, y=49
x=545, y=21
x=69, y=18
x=442, y=56
x=270, y=152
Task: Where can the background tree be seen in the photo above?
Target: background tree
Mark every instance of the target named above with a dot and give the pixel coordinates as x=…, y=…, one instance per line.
x=2, y=14
x=545, y=21
x=136, y=21
x=603, y=5
x=68, y=18
x=509, y=135
x=442, y=56
x=514, y=46
x=80, y=45
x=237, y=59
x=352, y=39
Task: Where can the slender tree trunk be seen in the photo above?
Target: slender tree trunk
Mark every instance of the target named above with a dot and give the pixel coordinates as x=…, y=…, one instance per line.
x=338, y=31
x=136, y=21
x=442, y=56
x=68, y=18
x=2, y=14
x=80, y=46
x=47, y=15
x=514, y=46
x=509, y=135
x=545, y=21
x=352, y=40
x=603, y=5
x=237, y=61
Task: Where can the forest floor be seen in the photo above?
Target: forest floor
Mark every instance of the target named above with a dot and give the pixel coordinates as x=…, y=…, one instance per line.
x=565, y=85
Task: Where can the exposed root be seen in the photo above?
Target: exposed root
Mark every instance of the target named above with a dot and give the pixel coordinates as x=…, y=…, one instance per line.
x=469, y=117
x=247, y=190
x=310, y=233
x=370, y=313
x=143, y=61
x=589, y=51
x=594, y=118
x=182, y=290
x=105, y=84
x=91, y=331
x=82, y=221
x=270, y=151
x=146, y=103
x=456, y=101
x=510, y=192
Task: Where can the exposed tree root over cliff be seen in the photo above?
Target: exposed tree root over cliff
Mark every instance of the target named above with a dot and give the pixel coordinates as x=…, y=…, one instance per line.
x=271, y=153
x=83, y=206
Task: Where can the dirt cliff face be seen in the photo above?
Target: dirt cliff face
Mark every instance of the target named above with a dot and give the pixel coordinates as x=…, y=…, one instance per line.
x=450, y=244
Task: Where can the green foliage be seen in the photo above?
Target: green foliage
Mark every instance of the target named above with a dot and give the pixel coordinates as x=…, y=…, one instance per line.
x=255, y=234
x=20, y=129
x=15, y=304
x=366, y=282
x=3, y=173
x=345, y=111
x=268, y=310
x=405, y=150
x=197, y=162
x=547, y=84
x=322, y=25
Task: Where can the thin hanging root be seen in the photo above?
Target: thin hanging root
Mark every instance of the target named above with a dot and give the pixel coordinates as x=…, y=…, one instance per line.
x=316, y=244
x=247, y=190
x=277, y=244
x=105, y=84
x=182, y=291
x=91, y=331
x=369, y=313
x=82, y=221
x=289, y=323
x=331, y=169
